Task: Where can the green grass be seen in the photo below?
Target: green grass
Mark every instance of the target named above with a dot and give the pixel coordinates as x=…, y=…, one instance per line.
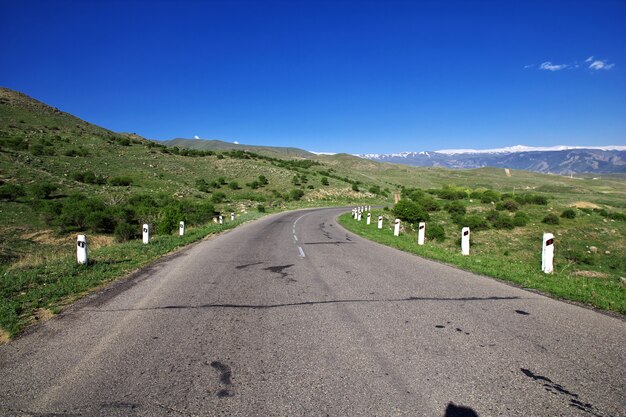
x=518, y=262
x=51, y=285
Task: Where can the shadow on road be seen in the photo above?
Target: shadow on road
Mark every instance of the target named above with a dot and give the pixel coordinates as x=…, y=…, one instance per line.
x=459, y=411
x=307, y=303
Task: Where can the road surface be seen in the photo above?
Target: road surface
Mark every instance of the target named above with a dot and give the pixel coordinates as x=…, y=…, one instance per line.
x=292, y=315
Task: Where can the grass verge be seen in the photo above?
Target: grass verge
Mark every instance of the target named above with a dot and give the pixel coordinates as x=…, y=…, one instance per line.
x=29, y=294
x=602, y=294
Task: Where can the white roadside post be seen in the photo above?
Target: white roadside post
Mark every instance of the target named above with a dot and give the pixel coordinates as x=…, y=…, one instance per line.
x=547, y=253
x=146, y=234
x=380, y=222
x=81, y=249
x=221, y=219
x=354, y=213
x=369, y=208
x=465, y=241
x=232, y=216
x=369, y=218
x=181, y=229
x=396, y=227
x=421, y=231
x=359, y=216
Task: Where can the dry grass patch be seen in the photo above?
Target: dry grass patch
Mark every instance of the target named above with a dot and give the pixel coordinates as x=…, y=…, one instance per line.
x=585, y=204
x=5, y=337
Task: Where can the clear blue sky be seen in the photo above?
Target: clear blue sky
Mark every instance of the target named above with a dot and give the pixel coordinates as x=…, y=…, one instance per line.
x=337, y=76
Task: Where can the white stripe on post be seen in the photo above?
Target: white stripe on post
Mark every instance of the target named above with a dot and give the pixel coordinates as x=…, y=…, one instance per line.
x=146, y=234
x=465, y=241
x=421, y=231
x=81, y=249
x=547, y=253
x=396, y=228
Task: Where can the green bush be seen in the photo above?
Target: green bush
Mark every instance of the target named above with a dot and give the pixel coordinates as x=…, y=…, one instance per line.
x=260, y=208
x=11, y=192
x=474, y=222
x=520, y=219
x=296, y=195
x=551, y=219
x=124, y=231
x=503, y=222
x=234, y=185
x=435, y=231
x=121, y=181
x=355, y=187
x=456, y=208
x=568, y=214
x=324, y=181
x=218, y=197
x=44, y=190
x=410, y=211
x=489, y=197
x=509, y=205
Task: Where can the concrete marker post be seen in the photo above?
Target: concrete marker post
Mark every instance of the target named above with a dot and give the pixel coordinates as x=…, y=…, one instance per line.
x=421, y=232
x=380, y=222
x=181, y=229
x=396, y=227
x=359, y=216
x=221, y=219
x=547, y=253
x=146, y=234
x=369, y=218
x=81, y=250
x=465, y=241
x=232, y=216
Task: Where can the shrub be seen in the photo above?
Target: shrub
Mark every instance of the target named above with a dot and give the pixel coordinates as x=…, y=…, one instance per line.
x=202, y=185
x=456, y=207
x=218, y=197
x=124, y=142
x=296, y=195
x=263, y=180
x=120, y=181
x=355, y=187
x=568, y=214
x=474, y=222
x=435, y=232
x=260, y=208
x=324, y=181
x=170, y=218
x=124, y=231
x=492, y=216
x=234, y=185
x=503, y=222
x=44, y=190
x=509, y=205
x=11, y=192
x=551, y=219
x=489, y=196
x=520, y=219
x=410, y=211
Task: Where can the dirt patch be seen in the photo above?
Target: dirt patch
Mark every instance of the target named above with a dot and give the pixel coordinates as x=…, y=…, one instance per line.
x=43, y=314
x=590, y=274
x=585, y=204
x=4, y=336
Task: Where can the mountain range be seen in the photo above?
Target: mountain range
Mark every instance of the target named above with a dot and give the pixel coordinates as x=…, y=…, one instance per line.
x=562, y=160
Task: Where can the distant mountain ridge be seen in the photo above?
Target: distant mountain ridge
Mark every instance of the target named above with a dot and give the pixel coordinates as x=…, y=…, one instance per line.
x=563, y=160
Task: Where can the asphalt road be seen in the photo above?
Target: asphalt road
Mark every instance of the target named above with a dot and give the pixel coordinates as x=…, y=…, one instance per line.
x=291, y=315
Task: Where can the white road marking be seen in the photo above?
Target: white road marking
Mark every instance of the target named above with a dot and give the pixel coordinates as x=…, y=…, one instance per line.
x=302, y=255
x=295, y=238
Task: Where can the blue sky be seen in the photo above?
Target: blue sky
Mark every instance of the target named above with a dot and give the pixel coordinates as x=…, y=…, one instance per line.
x=336, y=76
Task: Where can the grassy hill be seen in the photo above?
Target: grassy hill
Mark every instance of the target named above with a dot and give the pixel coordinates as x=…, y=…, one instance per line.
x=60, y=176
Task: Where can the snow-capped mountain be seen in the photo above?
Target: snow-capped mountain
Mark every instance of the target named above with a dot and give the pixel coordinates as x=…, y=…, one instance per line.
x=563, y=160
